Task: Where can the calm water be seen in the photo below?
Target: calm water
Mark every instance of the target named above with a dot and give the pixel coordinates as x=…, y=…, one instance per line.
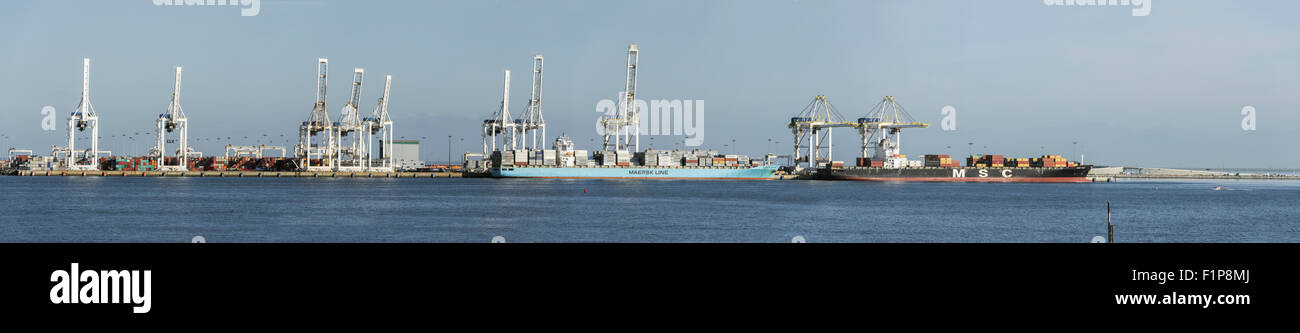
x=97, y=209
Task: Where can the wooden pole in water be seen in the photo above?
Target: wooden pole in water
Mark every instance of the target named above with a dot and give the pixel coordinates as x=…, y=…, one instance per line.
x=1110, y=228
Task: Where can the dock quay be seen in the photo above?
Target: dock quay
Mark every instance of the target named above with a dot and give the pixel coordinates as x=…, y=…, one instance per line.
x=254, y=174
x=1225, y=177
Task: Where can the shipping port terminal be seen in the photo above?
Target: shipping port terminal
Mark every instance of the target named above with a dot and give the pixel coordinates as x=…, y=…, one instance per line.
x=514, y=147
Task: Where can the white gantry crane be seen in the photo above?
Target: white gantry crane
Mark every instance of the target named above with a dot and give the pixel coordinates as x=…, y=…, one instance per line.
x=812, y=129
x=84, y=116
x=350, y=156
x=173, y=121
x=500, y=124
x=532, y=119
x=379, y=123
x=625, y=126
x=882, y=129
x=317, y=125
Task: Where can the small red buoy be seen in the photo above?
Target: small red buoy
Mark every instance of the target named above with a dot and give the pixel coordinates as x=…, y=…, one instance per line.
x=584, y=190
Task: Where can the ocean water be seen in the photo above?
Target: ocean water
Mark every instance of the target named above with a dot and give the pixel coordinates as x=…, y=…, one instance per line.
x=175, y=209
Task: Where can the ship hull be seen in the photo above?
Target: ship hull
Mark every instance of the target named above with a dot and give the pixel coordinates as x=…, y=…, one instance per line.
x=638, y=172
x=962, y=174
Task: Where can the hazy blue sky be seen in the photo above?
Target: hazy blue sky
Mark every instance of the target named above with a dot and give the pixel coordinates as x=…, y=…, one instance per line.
x=1162, y=90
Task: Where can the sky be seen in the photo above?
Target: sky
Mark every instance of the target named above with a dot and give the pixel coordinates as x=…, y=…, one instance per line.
x=1026, y=78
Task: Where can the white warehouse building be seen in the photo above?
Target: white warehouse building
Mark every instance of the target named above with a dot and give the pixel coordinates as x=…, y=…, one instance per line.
x=405, y=154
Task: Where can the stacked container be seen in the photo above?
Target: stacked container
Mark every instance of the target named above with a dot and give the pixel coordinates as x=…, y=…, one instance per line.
x=1053, y=161
x=503, y=158
x=942, y=161
x=580, y=157
x=550, y=157
x=622, y=158
x=608, y=158
x=521, y=156
x=665, y=159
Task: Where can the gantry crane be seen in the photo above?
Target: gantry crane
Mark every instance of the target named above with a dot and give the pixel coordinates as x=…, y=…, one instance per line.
x=257, y=151
x=500, y=124
x=81, y=118
x=625, y=126
x=379, y=123
x=173, y=121
x=882, y=129
x=532, y=119
x=317, y=123
x=812, y=128
x=350, y=156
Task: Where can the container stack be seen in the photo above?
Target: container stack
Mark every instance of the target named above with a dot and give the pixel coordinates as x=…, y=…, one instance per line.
x=622, y=158
x=122, y=164
x=666, y=159
x=941, y=161
x=1018, y=162
x=503, y=158
x=580, y=157
x=986, y=161
x=219, y=163
x=607, y=158
x=1054, y=161
x=995, y=161
x=550, y=157
x=521, y=156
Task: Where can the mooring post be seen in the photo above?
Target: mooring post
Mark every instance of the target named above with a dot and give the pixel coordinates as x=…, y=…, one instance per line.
x=1110, y=228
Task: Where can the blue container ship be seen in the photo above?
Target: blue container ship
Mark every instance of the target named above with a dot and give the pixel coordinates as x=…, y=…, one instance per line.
x=636, y=172
x=564, y=162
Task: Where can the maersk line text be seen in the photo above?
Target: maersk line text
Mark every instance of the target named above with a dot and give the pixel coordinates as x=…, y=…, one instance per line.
x=102, y=287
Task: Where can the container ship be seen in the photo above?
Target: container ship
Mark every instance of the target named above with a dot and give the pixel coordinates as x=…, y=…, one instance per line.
x=564, y=162
x=881, y=132
x=615, y=161
x=986, y=168
x=887, y=164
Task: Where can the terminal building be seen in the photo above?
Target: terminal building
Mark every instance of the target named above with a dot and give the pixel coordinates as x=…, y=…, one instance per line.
x=405, y=154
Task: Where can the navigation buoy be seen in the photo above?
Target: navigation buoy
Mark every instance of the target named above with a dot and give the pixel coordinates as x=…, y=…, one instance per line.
x=584, y=190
